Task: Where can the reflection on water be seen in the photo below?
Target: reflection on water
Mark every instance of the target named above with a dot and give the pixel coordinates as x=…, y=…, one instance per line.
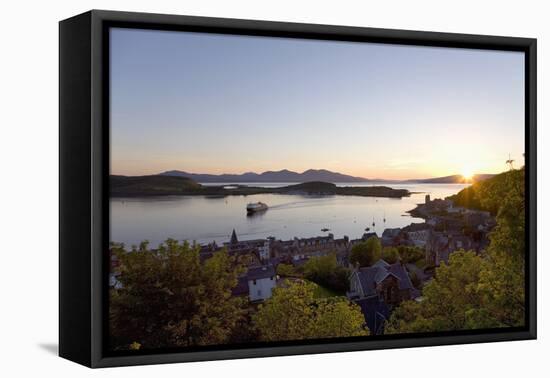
x=205, y=219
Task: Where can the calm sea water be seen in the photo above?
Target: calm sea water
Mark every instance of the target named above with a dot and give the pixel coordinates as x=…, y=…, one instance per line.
x=205, y=219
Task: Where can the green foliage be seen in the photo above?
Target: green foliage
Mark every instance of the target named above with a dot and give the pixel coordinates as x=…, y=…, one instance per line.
x=286, y=270
x=323, y=292
x=503, y=286
x=410, y=254
x=325, y=271
x=415, y=280
x=451, y=301
x=488, y=194
x=292, y=313
x=478, y=291
x=367, y=252
x=169, y=298
x=390, y=255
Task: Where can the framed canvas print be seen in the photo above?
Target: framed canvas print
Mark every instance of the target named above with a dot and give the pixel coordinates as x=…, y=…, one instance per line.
x=234, y=188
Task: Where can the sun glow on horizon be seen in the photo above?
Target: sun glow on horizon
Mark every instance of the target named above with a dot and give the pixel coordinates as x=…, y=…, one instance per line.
x=467, y=173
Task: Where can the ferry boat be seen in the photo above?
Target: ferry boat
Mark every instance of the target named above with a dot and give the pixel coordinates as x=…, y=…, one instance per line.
x=256, y=207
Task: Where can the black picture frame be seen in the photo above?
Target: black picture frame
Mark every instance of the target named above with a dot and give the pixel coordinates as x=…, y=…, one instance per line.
x=84, y=167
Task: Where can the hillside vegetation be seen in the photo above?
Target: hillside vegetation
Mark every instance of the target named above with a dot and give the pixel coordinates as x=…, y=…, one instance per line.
x=487, y=195
x=485, y=290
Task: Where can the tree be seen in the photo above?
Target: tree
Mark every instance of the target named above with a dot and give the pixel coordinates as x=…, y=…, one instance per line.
x=478, y=291
x=390, y=255
x=503, y=285
x=366, y=253
x=168, y=298
x=286, y=270
x=415, y=280
x=293, y=314
x=338, y=317
x=451, y=300
x=410, y=254
x=325, y=271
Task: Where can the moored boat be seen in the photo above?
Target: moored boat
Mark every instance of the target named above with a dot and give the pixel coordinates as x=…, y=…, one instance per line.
x=256, y=207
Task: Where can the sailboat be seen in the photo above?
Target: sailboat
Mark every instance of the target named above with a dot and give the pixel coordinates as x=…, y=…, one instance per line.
x=373, y=224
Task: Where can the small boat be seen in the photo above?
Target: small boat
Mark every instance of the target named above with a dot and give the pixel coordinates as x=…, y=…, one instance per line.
x=373, y=224
x=325, y=229
x=367, y=229
x=256, y=207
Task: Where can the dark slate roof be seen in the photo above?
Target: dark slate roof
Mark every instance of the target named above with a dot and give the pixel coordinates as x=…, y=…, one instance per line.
x=368, y=235
x=242, y=286
x=369, y=277
x=381, y=263
x=391, y=232
x=259, y=272
x=401, y=273
x=366, y=280
x=381, y=274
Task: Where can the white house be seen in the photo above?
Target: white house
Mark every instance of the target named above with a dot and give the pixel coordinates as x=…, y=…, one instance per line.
x=261, y=281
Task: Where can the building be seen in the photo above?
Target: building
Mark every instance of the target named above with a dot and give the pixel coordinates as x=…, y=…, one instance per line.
x=390, y=237
x=247, y=252
x=378, y=288
x=304, y=248
x=264, y=250
x=437, y=249
x=368, y=235
x=419, y=238
x=261, y=282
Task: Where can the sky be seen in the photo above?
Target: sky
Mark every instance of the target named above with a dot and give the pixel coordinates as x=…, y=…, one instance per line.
x=212, y=103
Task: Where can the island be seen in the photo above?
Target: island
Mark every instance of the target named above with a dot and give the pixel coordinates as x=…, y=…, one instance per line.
x=159, y=185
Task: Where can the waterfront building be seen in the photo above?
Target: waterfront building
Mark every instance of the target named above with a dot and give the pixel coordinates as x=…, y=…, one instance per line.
x=390, y=237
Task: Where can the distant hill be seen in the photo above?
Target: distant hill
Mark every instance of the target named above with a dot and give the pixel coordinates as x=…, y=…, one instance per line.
x=454, y=179
x=270, y=176
x=151, y=185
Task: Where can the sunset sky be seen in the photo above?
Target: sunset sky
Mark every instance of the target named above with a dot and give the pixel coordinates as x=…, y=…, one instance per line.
x=206, y=103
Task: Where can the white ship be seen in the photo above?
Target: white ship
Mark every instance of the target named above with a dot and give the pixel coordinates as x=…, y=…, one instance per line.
x=256, y=207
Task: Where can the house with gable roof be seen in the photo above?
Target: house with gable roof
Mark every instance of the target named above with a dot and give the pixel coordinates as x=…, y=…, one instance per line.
x=377, y=289
x=257, y=283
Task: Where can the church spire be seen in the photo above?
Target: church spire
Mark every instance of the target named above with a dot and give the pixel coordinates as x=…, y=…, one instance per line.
x=234, y=239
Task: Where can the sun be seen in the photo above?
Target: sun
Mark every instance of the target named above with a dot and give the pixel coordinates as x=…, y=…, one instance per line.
x=468, y=174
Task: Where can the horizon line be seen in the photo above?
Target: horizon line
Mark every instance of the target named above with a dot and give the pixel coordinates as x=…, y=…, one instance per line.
x=310, y=169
